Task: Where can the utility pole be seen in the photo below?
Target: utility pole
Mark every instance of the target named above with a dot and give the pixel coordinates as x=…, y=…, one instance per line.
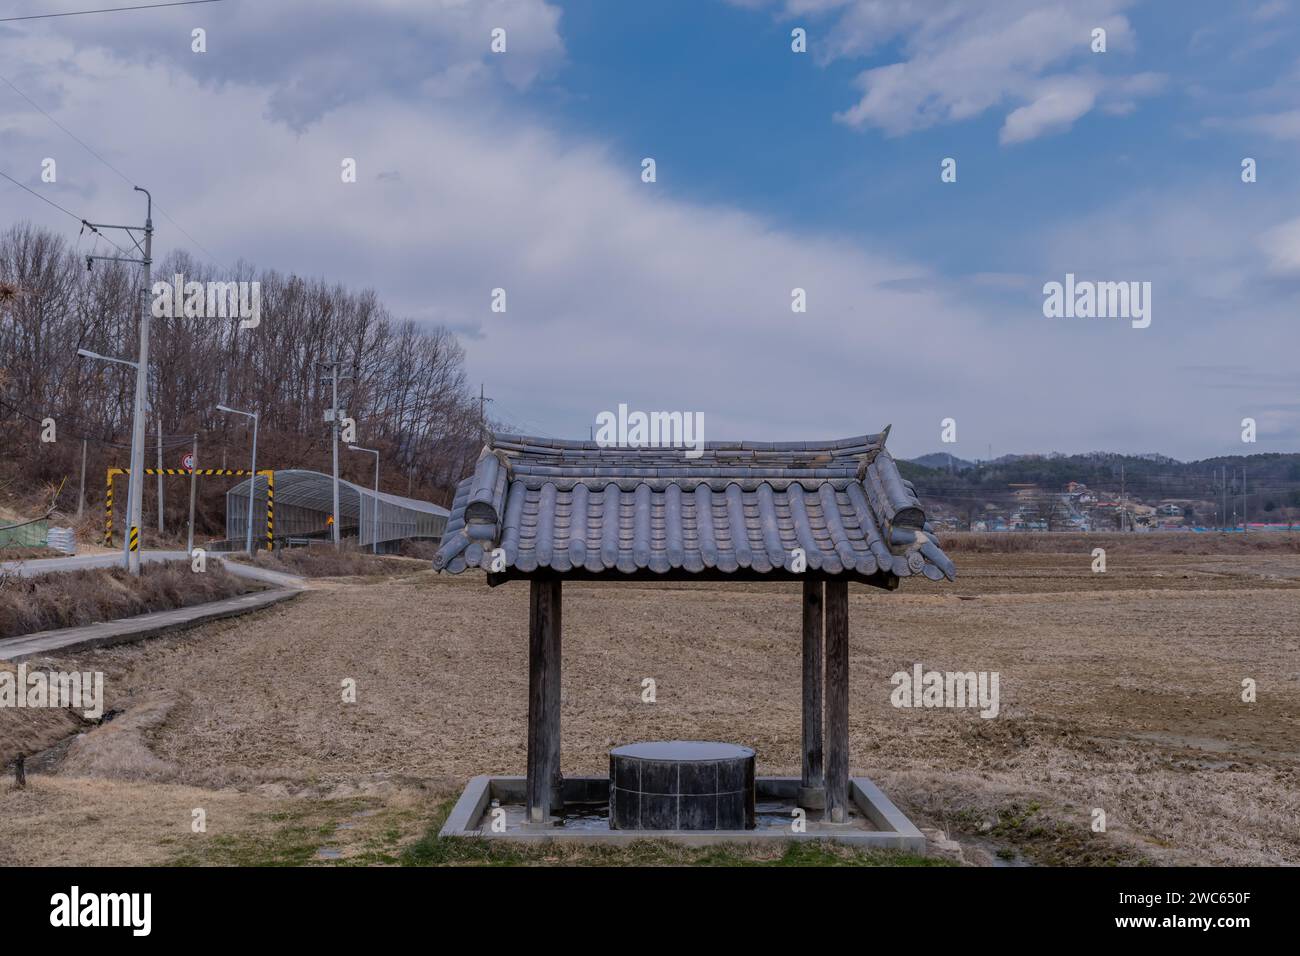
x=334, y=415
x=81, y=499
x=252, y=475
x=1224, y=482
x=482, y=414
x=1245, y=525
x=334, y=427
x=135, y=487
x=1123, y=502
x=160, y=477
x=194, y=477
x=141, y=390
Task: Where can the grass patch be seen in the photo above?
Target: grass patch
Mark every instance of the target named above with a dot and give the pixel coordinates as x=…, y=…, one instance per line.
x=1026, y=830
x=322, y=561
x=75, y=598
x=433, y=850
x=293, y=835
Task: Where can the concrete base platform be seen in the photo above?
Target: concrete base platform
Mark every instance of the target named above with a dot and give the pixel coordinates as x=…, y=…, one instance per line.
x=873, y=820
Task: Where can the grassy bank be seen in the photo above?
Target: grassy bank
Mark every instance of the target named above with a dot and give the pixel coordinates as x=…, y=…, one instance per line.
x=76, y=598
x=322, y=561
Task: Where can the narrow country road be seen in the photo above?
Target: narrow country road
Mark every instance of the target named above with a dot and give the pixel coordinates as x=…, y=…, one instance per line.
x=80, y=562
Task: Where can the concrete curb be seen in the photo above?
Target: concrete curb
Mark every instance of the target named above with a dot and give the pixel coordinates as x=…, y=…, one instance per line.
x=254, y=573
x=895, y=832
x=138, y=628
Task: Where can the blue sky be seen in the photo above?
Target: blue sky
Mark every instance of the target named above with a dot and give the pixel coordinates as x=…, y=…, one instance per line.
x=712, y=90
x=775, y=170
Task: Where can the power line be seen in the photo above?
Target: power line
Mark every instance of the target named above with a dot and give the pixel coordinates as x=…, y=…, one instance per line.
x=66, y=212
x=82, y=143
x=82, y=13
x=123, y=176
x=43, y=199
x=531, y=424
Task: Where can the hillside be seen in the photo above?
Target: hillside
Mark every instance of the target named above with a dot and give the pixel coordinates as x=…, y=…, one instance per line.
x=1057, y=488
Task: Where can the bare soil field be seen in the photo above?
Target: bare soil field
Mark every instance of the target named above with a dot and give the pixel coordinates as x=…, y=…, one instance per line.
x=1120, y=691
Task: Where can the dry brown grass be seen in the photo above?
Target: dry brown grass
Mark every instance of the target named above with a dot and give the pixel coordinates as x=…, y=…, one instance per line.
x=1154, y=542
x=62, y=820
x=32, y=553
x=322, y=561
x=91, y=821
x=75, y=598
x=421, y=548
x=30, y=730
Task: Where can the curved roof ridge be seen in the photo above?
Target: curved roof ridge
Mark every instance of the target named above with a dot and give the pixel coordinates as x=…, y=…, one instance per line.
x=536, y=445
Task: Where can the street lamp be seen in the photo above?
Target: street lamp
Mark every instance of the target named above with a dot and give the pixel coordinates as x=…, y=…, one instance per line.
x=252, y=472
x=374, y=529
x=135, y=483
x=87, y=353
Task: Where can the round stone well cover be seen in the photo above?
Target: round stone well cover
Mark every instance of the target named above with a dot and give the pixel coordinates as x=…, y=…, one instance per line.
x=681, y=785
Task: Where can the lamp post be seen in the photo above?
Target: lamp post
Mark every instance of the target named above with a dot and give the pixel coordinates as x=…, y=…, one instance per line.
x=252, y=476
x=133, y=486
x=334, y=414
x=374, y=525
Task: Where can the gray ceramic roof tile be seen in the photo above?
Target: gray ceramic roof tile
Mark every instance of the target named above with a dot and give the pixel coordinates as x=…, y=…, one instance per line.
x=562, y=505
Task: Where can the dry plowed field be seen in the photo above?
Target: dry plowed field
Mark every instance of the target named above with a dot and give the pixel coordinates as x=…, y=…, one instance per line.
x=1120, y=692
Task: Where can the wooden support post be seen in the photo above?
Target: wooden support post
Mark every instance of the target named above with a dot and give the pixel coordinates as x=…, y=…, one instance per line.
x=544, y=780
x=812, y=790
x=837, y=700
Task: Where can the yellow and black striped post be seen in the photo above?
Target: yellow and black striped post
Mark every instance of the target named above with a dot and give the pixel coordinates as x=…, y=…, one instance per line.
x=135, y=538
x=108, y=503
x=270, y=510
x=108, y=510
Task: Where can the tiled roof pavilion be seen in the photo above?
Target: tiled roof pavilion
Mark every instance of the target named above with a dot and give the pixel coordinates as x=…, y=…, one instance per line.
x=740, y=509
x=565, y=510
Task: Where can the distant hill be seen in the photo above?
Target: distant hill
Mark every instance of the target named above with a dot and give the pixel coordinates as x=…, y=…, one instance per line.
x=1272, y=481
x=942, y=461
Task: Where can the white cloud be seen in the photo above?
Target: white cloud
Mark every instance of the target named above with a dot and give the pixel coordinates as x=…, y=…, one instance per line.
x=315, y=55
x=1270, y=10
x=1281, y=245
x=1056, y=107
x=961, y=58
x=619, y=292
x=1283, y=126
x=1059, y=101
